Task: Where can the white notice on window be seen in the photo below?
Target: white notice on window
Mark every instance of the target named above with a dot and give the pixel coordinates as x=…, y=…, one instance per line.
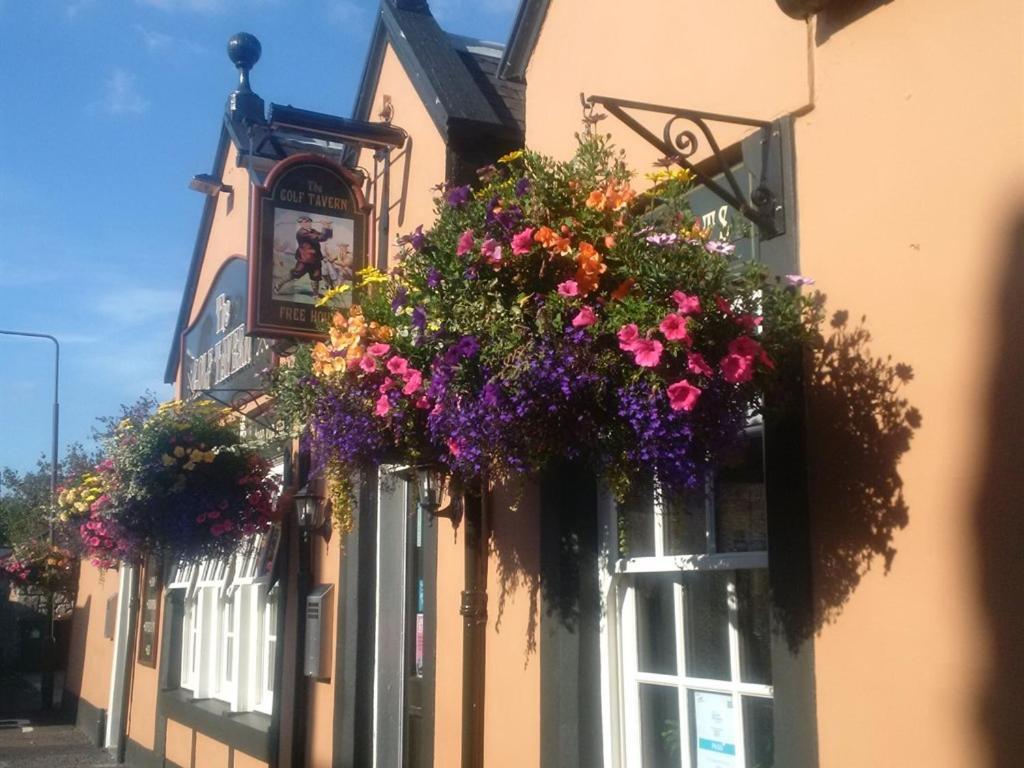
x=716, y=740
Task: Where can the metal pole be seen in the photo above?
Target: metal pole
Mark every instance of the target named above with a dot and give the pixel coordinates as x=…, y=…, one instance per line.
x=49, y=644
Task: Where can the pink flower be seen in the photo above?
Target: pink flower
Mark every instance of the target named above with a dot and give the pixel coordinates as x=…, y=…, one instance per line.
x=695, y=363
x=585, y=317
x=213, y=514
x=368, y=364
x=491, y=251
x=628, y=336
x=201, y=518
x=569, y=289
x=737, y=369
x=647, y=352
x=383, y=406
x=398, y=365
x=748, y=322
x=688, y=305
x=674, y=328
x=379, y=349
x=388, y=384
x=522, y=242
x=94, y=541
x=423, y=403
x=682, y=396
x=413, y=382
x=798, y=280
x=453, y=447
x=217, y=529
x=466, y=243
x=744, y=345
x=723, y=306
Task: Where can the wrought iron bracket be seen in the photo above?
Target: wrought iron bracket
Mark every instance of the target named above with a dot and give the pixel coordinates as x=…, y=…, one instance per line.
x=679, y=142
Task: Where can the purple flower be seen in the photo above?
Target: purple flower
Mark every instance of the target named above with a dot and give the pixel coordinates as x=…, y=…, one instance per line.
x=522, y=186
x=433, y=278
x=419, y=318
x=720, y=247
x=471, y=273
x=662, y=238
x=416, y=239
x=798, y=280
x=467, y=346
x=458, y=196
x=401, y=296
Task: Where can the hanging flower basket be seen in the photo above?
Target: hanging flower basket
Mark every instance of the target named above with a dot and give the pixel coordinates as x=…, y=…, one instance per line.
x=181, y=483
x=553, y=312
x=86, y=505
x=41, y=564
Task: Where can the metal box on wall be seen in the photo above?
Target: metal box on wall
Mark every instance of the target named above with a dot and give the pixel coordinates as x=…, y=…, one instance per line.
x=318, y=626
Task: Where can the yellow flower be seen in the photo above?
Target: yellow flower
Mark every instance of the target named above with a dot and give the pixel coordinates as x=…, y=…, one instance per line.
x=179, y=451
x=209, y=456
x=332, y=293
x=169, y=460
x=189, y=466
x=670, y=174
x=371, y=275
x=511, y=156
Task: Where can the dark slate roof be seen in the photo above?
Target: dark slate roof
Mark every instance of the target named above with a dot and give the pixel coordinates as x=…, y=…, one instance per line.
x=482, y=58
x=525, y=31
x=451, y=84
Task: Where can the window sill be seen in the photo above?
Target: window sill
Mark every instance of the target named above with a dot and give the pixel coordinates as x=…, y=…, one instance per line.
x=247, y=732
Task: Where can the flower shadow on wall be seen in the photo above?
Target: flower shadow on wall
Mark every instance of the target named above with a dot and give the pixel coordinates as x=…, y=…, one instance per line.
x=858, y=428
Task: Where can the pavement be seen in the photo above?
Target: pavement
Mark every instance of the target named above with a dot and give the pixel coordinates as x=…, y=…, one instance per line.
x=25, y=743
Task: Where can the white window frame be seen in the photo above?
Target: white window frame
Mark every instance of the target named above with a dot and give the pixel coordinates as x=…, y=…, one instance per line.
x=620, y=673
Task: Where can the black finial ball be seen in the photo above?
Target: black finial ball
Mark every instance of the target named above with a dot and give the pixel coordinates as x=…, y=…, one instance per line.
x=244, y=50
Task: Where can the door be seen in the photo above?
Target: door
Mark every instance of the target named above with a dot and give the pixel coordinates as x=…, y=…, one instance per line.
x=405, y=622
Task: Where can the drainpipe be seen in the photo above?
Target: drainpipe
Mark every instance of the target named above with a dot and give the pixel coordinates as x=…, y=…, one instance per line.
x=129, y=672
x=384, y=208
x=300, y=728
x=474, y=637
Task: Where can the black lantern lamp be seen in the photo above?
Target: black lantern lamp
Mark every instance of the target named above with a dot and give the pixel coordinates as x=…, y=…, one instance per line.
x=309, y=510
x=429, y=483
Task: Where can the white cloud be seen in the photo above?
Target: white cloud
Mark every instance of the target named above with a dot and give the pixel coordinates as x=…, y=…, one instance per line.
x=72, y=9
x=154, y=40
x=122, y=96
x=138, y=305
x=200, y=6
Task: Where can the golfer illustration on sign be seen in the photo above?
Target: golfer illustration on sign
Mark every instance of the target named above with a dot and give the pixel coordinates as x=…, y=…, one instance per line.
x=309, y=258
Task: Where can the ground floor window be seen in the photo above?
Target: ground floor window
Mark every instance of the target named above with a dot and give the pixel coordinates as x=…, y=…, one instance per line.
x=229, y=627
x=687, y=637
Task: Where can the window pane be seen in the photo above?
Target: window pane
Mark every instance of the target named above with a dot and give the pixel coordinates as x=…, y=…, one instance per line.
x=740, y=518
x=685, y=524
x=707, y=625
x=757, y=732
x=659, y=726
x=655, y=624
x=754, y=626
x=636, y=525
x=713, y=728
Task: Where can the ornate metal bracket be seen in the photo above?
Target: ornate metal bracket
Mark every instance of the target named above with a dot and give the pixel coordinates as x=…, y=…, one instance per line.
x=678, y=144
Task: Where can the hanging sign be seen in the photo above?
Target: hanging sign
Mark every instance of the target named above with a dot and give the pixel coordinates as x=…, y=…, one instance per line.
x=220, y=361
x=308, y=236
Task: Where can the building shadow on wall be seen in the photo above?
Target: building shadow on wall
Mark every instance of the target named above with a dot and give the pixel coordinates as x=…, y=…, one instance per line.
x=858, y=428
x=999, y=517
x=514, y=546
x=835, y=16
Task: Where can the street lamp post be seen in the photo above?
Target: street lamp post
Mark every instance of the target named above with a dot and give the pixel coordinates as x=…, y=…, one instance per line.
x=49, y=644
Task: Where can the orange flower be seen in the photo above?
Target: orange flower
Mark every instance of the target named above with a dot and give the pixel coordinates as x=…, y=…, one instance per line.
x=624, y=288
x=596, y=200
x=590, y=268
x=550, y=240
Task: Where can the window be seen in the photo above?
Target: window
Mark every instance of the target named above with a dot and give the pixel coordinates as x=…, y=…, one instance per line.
x=229, y=628
x=687, y=641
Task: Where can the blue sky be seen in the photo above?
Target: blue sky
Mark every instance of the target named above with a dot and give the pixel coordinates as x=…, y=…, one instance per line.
x=107, y=109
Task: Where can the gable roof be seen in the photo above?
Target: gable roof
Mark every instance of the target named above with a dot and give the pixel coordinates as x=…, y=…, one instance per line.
x=523, y=39
x=448, y=89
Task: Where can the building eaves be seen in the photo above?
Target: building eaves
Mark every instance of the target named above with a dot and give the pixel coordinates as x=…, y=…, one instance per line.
x=198, y=252
x=521, y=43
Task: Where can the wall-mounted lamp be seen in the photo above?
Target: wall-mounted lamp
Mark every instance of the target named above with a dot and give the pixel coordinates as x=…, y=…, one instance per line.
x=310, y=512
x=209, y=185
x=429, y=482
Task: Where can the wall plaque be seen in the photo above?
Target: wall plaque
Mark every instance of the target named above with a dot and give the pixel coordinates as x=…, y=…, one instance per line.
x=150, y=612
x=308, y=236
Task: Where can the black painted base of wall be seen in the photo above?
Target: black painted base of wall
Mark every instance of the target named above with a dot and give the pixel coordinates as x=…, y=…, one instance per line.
x=90, y=720
x=137, y=756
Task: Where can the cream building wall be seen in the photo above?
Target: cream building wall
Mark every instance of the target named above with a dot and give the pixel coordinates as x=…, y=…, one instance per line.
x=908, y=142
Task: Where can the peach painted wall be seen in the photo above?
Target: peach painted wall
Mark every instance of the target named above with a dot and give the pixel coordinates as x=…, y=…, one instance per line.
x=210, y=753
x=448, y=665
x=512, y=681
x=242, y=760
x=417, y=167
x=228, y=234
x=91, y=654
x=144, y=686
x=320, y=731
x=909, y=153
x=179, y=744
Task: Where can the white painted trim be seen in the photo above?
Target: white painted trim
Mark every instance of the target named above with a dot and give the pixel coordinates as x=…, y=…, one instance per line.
x=116, y=702
x=731, y=561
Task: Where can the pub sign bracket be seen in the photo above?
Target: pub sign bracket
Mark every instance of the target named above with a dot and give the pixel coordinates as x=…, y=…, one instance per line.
x=679, y=141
